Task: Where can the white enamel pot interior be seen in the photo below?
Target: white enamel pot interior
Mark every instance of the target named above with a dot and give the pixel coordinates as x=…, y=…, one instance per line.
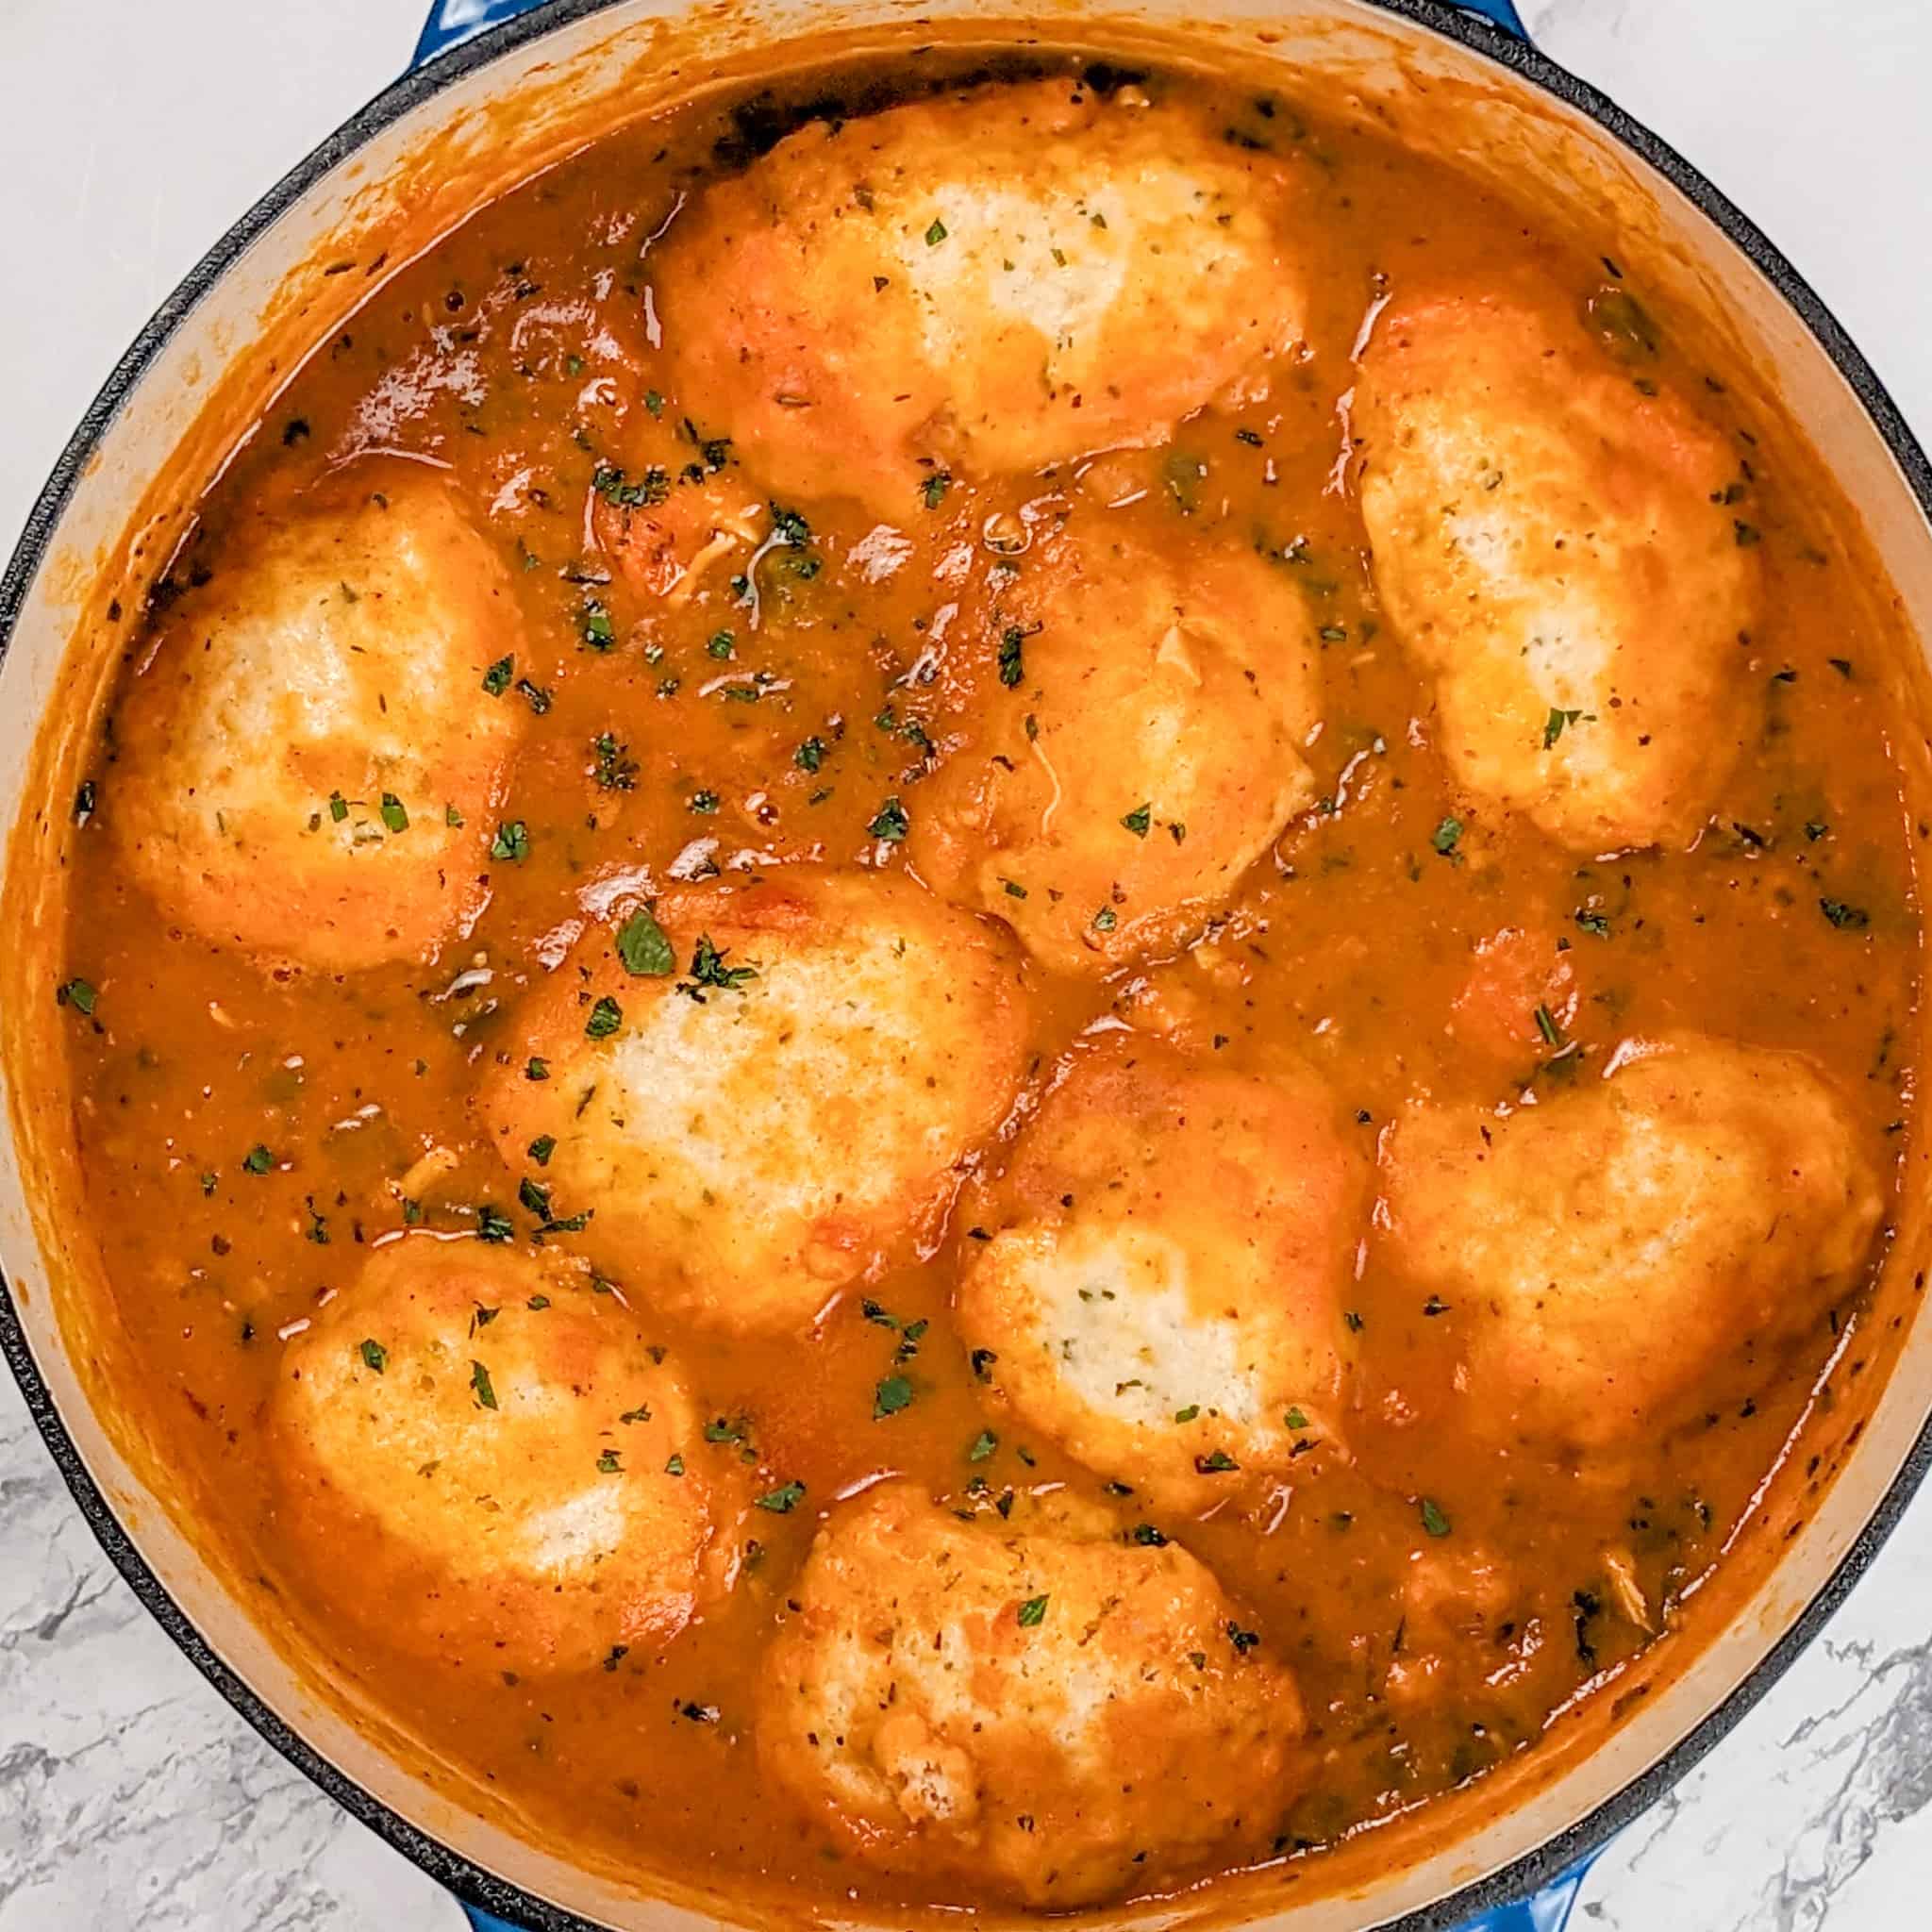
x=488, y=115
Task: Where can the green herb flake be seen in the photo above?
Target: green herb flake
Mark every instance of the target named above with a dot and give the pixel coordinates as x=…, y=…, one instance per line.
x=1546, y=1026
x=492, y=1225
x=1554, y=725
x=542, y=1148
x=374, y=1356
x=78, y=993
x=496, y=679
x=1188, y=1413
x=480, y=1382
x=257, y=1160
x=675, y=1467
x=606, y=1016
x=933, y=491
x=708, y=968
x=644, y=948
x=1033, y=1612
x=983, y=1445
x=1106, y=920
x=1845, y=916
x=936, y=233
x=893, y=1393
x=1295, y=1418
x=337, y=807
x=393, y=816
x=891, y=822
x=513, y=843
x=1012, y=656
x=1434, y=1521
x=1139, y=820
x=784, y=1499
x=1218, y=1463
x=1446, y=836
x=607, y=1463
x=810, y=754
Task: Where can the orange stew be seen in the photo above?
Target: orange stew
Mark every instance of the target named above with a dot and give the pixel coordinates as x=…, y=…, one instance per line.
x=990, y=987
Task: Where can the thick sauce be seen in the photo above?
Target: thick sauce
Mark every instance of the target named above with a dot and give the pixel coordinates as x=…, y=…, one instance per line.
x=249, y=1133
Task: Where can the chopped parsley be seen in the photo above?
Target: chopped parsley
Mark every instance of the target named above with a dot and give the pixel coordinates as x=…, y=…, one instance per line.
x=936, y=233
x=78, y=993
x=594, y=627
x=1033, y=1612
x=374, y=1356
x=893, y=1393
x=1012, y=656
x=983, y=1445
x=496, y=681
x=644, y=948
x=607, y=1463
x=1218, y=1463
x=1554, y=724
x=1139, y=820
x=393, y=816
x=606, y=1016
x=810, y=754
x=784, y=1499
x=615, y=487
x=616, y=770
x=1445, y=838
x=1434, y=1521
x=708, y=968
x=542, y=1148
x=512, y=842
x=891, y=824
x=1845, y=916
x=933, y=491
x=492, y=1225
x=480, y=1382
x=257, y=1160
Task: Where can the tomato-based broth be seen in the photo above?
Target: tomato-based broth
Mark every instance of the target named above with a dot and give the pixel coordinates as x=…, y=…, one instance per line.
x=991, y=987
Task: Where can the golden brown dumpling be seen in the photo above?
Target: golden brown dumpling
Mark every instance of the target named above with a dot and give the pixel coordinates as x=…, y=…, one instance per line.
x=1141, y=741
x=1605, y=1251
x=485, y=1462
x=781, y=1103
x=309, y=756
x=1159, y=1271
x=1062, y=1714
x=1555, y=545
x=987, y=281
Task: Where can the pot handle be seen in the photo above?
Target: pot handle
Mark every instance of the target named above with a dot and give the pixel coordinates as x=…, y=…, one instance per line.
x=1547, y=1910
x=452, y=21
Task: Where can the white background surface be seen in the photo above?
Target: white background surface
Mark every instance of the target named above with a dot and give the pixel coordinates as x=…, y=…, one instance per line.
x=131, y=133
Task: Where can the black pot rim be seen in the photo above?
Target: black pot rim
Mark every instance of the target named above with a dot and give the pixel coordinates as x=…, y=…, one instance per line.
x=469, y=1881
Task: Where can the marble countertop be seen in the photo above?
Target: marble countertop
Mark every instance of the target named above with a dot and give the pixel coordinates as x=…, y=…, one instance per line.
x=130, y=1795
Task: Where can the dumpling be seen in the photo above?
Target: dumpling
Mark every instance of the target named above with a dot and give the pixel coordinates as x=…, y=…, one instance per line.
x=1063, y=1714
x=1160, y=1270
x=1557, y=546
x=487, y=1464
x=988, y=281
x=1141, y=739
x=780, y=1092
x=309, y=756
x=1607, y=1251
